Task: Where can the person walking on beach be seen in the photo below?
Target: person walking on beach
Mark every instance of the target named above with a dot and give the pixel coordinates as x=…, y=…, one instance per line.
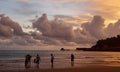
x=72, y=60
x=37, y=60
x=28, y=61
x=52, y=60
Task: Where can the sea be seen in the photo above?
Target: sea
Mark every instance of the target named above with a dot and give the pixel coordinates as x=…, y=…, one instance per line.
x=14, y=59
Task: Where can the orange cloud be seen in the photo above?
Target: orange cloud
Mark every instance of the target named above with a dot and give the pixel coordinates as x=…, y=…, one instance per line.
x=109, y=9
x=76, y=20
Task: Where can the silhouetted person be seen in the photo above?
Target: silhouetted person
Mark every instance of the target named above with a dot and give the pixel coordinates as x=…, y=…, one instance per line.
x=72, y=60
x=28, y=61
x=37, y=60
x=52, y=60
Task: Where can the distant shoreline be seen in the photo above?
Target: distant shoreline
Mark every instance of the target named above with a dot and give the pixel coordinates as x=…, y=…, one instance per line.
x=90, y=49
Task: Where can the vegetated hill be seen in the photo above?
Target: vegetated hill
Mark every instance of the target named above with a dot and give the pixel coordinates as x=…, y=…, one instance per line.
x=109, y=44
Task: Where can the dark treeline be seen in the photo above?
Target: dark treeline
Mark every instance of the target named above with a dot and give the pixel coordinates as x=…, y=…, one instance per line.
x=109, y=44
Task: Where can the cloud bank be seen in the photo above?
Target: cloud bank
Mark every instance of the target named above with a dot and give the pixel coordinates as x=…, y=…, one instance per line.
x=53, y=28
x=56, y=32
x=87, y=33
x=8, y=27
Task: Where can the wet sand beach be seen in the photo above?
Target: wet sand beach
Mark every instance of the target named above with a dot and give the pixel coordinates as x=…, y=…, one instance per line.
x=78, y=69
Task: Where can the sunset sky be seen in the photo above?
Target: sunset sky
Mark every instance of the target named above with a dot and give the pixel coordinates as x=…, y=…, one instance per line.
x=81, y=10
x=72, y=12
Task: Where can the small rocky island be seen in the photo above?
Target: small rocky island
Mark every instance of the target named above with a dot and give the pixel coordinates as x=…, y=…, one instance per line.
x=63, y=49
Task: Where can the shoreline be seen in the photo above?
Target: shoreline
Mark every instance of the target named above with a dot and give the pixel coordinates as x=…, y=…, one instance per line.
x=74, y=69
x=84, y=61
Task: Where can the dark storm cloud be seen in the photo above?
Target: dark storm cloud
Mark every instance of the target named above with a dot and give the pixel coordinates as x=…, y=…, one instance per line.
x=59, y=30
x=5, y=31
x=9, y=27
x=47, y=40
x=23, y=40
x=53, y=28
x=6, y=21
x=95, y=27
x=19, y=41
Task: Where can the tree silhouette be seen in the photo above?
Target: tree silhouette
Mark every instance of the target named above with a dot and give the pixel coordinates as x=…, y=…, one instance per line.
x=108, y=44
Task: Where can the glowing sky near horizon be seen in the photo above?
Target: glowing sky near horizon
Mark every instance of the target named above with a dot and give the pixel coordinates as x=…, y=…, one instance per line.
x=80, y=10
x=71, y=12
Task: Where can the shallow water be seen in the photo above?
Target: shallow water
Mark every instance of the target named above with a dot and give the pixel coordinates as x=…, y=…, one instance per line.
x=15, y=58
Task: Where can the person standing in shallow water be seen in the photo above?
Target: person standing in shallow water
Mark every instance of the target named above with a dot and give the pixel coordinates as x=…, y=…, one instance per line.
x=28, y=61
x=72, y=60
x=52, y=60
x=37, y=60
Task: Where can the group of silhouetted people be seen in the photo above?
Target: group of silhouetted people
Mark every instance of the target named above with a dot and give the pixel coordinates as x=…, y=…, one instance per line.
x=28, y=61
x=37, y=60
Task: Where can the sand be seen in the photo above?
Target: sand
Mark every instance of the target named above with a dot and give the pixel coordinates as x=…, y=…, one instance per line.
x=80, y=69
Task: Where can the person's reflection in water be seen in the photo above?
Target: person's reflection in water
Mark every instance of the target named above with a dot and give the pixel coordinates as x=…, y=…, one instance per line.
x=37, y=61
x=28, y=61
x=72, y=60
x=52, y=60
